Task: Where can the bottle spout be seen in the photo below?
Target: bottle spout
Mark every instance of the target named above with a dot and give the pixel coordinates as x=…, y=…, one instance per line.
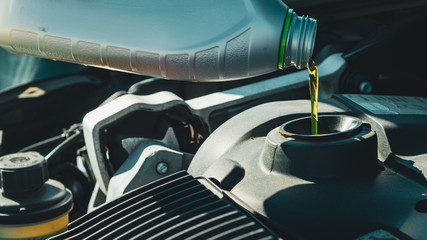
x=299, y=34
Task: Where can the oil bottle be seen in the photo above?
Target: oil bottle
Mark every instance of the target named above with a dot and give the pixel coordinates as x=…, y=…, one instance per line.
x=210, y=40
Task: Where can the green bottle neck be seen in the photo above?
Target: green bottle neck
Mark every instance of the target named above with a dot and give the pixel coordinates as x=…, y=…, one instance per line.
x=284, y=38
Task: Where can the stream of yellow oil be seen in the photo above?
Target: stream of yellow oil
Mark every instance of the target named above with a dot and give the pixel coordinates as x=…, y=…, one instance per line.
x=314, y=94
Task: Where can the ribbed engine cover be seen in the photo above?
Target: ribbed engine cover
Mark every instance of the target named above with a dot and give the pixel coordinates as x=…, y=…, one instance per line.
x=175, y=207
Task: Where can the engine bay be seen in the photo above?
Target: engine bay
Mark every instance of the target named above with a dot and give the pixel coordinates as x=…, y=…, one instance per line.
x=113, y=140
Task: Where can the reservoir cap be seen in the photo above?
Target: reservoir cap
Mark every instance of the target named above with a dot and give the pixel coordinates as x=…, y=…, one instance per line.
x=27, y=195
x=22, y=172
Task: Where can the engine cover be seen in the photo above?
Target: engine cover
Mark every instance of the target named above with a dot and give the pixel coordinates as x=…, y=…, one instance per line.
x=326, y=188
x=175, y=207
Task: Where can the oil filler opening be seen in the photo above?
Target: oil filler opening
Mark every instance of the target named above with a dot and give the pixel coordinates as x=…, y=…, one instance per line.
x=343, y=147
x=329, y=126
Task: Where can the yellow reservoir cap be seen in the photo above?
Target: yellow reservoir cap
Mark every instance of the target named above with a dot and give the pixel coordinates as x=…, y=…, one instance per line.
x=37, y=230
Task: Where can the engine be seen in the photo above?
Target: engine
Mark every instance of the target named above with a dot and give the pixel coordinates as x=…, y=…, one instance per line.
x=357, y=178
x=148, y=158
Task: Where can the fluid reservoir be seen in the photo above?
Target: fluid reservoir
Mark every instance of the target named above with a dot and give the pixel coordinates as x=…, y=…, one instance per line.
x=209, y=40
x=31, y=205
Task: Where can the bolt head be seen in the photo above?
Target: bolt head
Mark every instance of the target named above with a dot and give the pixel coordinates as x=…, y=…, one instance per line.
x=366, y=87
x=162, y=168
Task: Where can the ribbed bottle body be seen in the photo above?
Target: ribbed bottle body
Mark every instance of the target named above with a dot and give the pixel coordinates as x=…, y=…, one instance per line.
x=210, y=40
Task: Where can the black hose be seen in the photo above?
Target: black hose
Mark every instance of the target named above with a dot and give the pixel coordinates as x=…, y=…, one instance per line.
x=62, y=146
x=114, y=96
x=53, y=140
x=137, y=87
x=50, y=141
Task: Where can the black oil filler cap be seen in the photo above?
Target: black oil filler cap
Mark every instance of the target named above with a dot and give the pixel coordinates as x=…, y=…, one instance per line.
x=22, y=172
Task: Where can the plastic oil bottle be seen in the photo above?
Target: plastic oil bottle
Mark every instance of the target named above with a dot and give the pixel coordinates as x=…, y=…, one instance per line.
x=209, y=40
